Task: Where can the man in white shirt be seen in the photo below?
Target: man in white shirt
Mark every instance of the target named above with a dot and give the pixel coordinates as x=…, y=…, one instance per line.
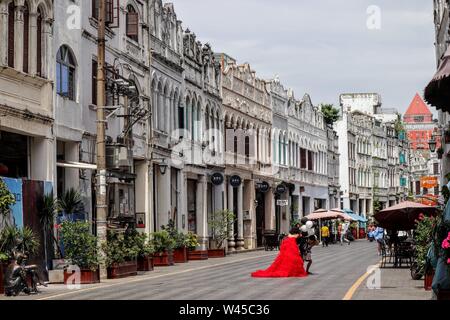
x=344, y=230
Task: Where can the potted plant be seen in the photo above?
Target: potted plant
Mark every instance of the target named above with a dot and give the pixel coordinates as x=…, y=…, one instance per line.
x=191, y=244
x=80, y=251
x=145, y=251
x=180, y=254
x=163, y=244
x=3, y=267
x=220, y=224
x=47, y=217
x=121, y=255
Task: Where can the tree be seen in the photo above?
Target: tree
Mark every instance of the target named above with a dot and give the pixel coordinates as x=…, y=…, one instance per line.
x=220, y=223
x=6, y=200
x=330, y=113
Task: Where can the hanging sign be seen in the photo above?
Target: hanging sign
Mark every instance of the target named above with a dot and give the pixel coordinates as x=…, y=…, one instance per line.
x=282, y=203
x=235, y=181
x=217, y=179
x=262, y=186
x=281, y=188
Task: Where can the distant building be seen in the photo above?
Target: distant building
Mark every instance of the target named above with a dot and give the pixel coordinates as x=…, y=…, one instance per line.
x=419, y=125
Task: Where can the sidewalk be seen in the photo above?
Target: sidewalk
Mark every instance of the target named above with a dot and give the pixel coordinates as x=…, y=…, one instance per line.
x=396, y=284
x=54, y=290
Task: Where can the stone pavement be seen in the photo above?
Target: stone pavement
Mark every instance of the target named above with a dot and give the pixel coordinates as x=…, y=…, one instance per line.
x=396, y=284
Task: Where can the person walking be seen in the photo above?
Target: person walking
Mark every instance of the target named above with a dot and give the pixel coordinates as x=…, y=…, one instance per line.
x=344, y=231
x=325, y=235
x=379, y=238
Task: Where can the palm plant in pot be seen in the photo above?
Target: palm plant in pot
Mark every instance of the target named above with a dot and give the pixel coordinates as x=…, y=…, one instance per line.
x=80, y=251
x=47, y=217
x=70, y=205
x=164, y=245
x=121, y=254
x=220, y=223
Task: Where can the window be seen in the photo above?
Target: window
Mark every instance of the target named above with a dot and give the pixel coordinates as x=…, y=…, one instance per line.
x=435, y=168
x=11, y=32
x=310, y=161
x=417, y=187
x=95, y=9
x=39, y=43
x=247, y=148
x=65, y=73
x=302, y=158
x=26, y=36
x=132, y=23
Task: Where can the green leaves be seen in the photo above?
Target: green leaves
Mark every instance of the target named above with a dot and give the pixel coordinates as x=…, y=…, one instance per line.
x=6, y=199
x=220, y=223
x=13, y=239
x=330, y=113
x=162, y=241
x=71, y=202
x=80, y=246
x=191, y=241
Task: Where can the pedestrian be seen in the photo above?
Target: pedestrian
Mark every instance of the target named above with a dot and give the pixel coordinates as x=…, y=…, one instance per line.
x=379, y=238
x=307, y=257
x=325, y=235
x=344, y=230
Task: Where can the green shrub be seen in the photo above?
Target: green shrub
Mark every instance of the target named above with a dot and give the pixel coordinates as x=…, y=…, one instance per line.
x=162, y=241
x=80, y=246
x=191, y=241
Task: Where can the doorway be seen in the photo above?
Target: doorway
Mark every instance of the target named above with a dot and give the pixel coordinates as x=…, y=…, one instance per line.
x=260, y=218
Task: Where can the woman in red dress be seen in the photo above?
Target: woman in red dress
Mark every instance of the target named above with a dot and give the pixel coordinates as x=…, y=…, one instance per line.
x=288, y=263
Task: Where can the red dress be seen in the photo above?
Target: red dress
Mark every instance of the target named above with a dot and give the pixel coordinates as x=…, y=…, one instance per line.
x=287, y=264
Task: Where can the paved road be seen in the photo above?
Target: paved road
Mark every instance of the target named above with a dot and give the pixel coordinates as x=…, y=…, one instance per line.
x=335, y=269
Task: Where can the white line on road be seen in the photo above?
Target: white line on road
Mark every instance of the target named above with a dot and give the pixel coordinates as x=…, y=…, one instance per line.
x=152, y=277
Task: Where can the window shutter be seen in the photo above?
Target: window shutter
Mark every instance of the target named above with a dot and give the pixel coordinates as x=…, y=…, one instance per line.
x=132, y=24
x=109, y=15
x=26, y=38
x=11, y=35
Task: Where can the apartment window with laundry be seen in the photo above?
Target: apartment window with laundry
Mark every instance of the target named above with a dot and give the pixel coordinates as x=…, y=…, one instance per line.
x=65, y=73
x=132, y=23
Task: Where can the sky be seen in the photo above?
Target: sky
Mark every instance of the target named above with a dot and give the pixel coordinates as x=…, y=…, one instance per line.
x=324, y=47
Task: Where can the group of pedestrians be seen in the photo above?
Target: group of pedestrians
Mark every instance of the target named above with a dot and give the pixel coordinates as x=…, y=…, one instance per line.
x=342, y=233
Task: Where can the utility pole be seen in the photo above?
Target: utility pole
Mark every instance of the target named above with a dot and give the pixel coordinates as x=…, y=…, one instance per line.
x=102, y=206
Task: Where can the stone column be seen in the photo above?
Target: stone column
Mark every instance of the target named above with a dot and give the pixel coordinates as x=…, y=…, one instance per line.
x=4, y=33
x=231, y=243
x=240, y=218
x=18, y=37
x=33, y=44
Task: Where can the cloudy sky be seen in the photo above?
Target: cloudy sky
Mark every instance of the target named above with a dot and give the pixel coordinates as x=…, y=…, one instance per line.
x=324, y=47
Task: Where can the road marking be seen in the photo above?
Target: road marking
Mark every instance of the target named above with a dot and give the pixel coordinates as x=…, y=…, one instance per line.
x=152, y=277
x=357, y=284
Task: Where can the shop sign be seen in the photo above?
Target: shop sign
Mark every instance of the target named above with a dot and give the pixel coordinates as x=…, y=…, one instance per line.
x=235, y=181
x=262, y=186
x=217, y=179
x=428, y=182
x=281, y=188
x=282, y=203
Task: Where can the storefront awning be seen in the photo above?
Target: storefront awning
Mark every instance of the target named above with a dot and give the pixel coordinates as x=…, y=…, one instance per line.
x=76, y=165
x=437, y=92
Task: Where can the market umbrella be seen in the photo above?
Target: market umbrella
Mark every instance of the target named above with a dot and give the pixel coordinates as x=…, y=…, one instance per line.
x=437, y=92
x=323, y=214
x=403, y=216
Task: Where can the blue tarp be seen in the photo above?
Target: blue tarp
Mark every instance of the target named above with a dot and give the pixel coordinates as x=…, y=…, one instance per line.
x=355, y=216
